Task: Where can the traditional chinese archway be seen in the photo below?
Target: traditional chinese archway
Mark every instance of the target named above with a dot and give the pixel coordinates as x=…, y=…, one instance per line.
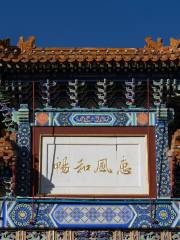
x=92, y=157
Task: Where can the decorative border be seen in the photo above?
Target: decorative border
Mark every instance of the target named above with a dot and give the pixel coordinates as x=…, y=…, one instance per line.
x=95, y=118
x=126, y=118
x=162, y=162
x=23, y=182
x=105, y=234
x=46, y=214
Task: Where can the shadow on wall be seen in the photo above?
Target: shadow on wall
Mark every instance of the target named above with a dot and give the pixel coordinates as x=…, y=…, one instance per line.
x=27, y=179
x=45, y=185
x=37, y=180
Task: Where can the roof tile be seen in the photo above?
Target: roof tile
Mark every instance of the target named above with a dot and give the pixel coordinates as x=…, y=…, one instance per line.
x=26, y=51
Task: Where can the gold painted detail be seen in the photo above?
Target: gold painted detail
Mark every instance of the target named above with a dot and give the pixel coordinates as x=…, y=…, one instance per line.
x=101, y=166
x=124, y=167
x=62, y=166
x=82, y=166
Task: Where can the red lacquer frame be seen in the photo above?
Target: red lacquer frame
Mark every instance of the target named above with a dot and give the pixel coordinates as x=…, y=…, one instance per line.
x=38, y=132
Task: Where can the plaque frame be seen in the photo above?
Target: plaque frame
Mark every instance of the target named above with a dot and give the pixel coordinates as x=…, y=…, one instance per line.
x=39, y=132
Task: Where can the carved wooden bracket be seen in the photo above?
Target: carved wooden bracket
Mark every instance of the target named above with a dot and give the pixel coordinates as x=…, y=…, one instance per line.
x=7, y=161
x=7, y=153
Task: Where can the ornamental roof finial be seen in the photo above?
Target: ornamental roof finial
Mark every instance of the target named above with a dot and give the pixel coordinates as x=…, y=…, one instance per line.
x=174, y=43
x=27, y=45
x=153, y=44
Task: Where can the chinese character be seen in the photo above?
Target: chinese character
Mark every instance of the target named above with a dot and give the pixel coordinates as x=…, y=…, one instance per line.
x=62, y=166
x=124, y=167
x=82, y=167
x=103, y=166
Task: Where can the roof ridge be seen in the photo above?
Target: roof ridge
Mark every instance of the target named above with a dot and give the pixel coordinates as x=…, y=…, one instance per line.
x=26, y=51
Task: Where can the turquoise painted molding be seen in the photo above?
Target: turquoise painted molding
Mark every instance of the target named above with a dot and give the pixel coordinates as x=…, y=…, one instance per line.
x=95, y=118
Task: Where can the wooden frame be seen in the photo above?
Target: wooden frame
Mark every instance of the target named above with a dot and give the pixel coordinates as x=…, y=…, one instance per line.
x=38, y=132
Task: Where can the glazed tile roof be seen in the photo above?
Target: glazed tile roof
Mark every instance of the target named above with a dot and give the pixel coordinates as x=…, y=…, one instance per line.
x=26, y=52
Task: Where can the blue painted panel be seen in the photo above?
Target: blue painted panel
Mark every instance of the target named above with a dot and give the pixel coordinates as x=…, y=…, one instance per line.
x=95, y=118
x=91, y=215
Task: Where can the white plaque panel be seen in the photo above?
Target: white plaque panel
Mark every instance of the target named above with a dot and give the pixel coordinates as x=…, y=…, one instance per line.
x=94, y=165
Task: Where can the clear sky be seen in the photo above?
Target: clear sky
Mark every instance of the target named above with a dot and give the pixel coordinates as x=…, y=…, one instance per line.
x=90, y=23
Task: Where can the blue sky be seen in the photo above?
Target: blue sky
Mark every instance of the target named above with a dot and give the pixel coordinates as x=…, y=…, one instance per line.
x=94, y=23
